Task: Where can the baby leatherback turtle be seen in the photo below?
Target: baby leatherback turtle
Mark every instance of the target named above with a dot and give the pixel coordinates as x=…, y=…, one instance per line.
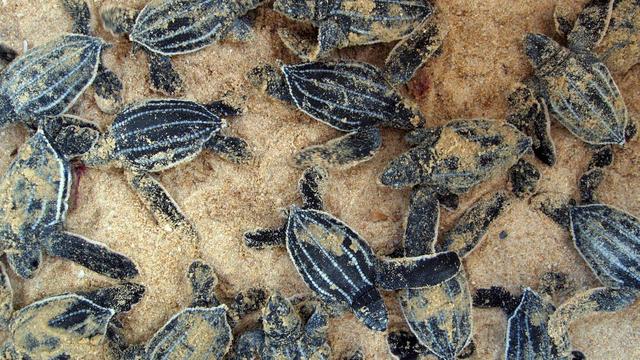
x=573, y=86
x=618, y=48
x=34, y=193
x=201, y=331
x=453, y=158
x=285, y=334
x=337, y=263
x=166, y=28
x=67, y=326
x=346, y=23
x=47, y=80
x=155, y=135
x=440, y=316
x=349, y=96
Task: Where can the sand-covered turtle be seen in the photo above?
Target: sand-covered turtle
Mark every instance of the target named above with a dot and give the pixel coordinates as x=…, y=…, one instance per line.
x=338, y=264
x=166, y=28
x=201, y=331
x=155, y=135
x=67, y=326
x=48, y=79
x=351, y=97
x=346, y=23
x=286, y=334
x=439, y=316
x=455, y=157
x=619, y=48
x=573, y=86
x=34, y=192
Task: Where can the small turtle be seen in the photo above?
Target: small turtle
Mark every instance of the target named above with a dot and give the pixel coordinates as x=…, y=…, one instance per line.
x=339, y=266
x=619, y=48
x=440, y=316
x=453, y=158
x=166, y=28
x=346, y=23
x=47, y=80
x=537, y=330
x=574, y=86
x=201, y=331
x=155, y=135
x=349, y=96
x=285, y=335
x=34, y=193
x=67, y=326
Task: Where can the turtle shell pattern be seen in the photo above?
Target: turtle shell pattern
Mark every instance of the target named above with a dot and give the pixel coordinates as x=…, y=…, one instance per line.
x=65, y=326
x=158, y=134
x=48, y=79
x=347, y=96
x=183, y=26
x=374, y=21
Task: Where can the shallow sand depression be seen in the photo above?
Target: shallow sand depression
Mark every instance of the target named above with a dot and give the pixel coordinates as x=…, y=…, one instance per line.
x=481, y=61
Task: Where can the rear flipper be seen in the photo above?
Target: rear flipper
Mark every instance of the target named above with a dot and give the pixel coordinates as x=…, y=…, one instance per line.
x=92, y=255
x=416, y=272
x=343, y=152
x=263, y=238
x=108, y=90
x=230, y=148
x=79, y=12
x=496, y=297
x=413, y=51
x=588, y=185
x=310, y=187
x=164, y=210
x=162, y=75
x=120, y=298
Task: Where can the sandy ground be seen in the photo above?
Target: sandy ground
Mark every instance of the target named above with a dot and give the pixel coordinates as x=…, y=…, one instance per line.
x=482, y=59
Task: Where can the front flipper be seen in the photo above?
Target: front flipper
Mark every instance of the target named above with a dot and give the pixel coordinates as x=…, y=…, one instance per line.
x=591, y=25
x=496, y=297
x=421, y=225
x=119, y=298
x=416, y=272
x=412, y=52
x=343, y=152
x=92, y=255
x=79, y=12
x=230, y=148
x=162, y=75
x=310, y=187
x=71, y=135
x=588, y=185
x=403, y=345
x=108, y=90
x=263, y=238
x=164, y=210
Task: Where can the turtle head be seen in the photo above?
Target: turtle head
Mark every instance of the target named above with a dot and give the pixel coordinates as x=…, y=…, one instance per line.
x=118, y=20
x=370, y=309
x=280, y=320
x=70, y=135
x=402, y=172
x=300, y=10
x=541, y=50
x=268, y=78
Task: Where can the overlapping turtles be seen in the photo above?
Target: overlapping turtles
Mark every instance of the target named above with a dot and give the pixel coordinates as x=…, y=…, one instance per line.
x=573, y=84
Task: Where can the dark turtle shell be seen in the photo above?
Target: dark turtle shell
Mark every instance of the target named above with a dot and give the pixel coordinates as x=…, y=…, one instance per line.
x=183, y=26
x=609, y=240
x=457, y=156
x=158, y=134
x=348, y=96
x=193, y=333
x=336, y=263
x=60, y=327
x=48, y=79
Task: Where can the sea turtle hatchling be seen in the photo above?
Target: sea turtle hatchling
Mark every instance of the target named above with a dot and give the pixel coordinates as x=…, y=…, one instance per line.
x=48, y=79
x=352, y=97
x=339, y=266
x=439, y=316
x=346, y=23
x=155, y=135
x=166, y=28
x=619, y=48
x=285, y=334
x=34, y=192
x=67, y=326
x=201, y=331
x=452, y=158
x=572, y=85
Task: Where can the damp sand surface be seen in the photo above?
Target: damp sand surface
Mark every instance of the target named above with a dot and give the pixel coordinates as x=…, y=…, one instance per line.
x=481, y=61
